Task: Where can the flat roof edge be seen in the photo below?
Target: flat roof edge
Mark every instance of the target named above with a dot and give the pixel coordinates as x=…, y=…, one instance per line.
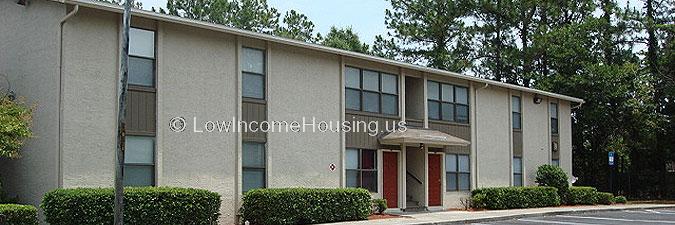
x=301, y=44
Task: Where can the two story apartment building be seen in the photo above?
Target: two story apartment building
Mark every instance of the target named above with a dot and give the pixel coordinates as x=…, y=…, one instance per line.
x=462, y=132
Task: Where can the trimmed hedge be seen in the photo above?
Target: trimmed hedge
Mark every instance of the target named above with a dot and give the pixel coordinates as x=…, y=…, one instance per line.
x=605, y=198
x=583, y=196
x=514, y=197
x=142, y=205
x=12, y=214
x=620, y=199
x=553, y=176
x=379, y=205
x=305, y=205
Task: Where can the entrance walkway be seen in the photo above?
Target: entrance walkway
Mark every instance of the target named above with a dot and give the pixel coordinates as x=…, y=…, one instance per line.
x=462, y=217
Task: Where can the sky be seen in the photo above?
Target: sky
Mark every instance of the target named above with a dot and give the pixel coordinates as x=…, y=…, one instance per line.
x=366, y=17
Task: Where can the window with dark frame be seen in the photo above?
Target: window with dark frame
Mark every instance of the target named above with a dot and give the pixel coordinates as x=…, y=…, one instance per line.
x=457, y=172
x=555, y=162
x=554, y=118
x=516, y=113
x=361, y=168
x=447, y=102
x=517, y=171
x=139, y=161
x=371, y=91
x=253, y=73
x=253, y=166
x=141, y=57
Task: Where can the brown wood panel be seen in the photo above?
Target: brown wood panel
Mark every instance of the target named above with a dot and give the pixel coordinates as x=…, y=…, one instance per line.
x=254, y=111
x=517, y=143
x=363, y=139
x=141, y=112
x=458, y=130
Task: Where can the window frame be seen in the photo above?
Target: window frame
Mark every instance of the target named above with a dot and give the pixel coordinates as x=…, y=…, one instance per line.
x=457, y=173
x=379, y=91
x=554, y=118
x=153, y=164
x=360, y=169
x=253, y=168
x=519, y=173
x=553, y=162
x=454, y=102
x=518, y=113
x=263, y=75
x=152, y=88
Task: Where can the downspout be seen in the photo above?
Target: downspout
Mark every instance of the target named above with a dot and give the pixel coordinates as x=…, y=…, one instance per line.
x=60, y=154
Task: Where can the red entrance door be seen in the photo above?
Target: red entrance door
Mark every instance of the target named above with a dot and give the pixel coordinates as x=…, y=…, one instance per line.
x=390, y=177
x=434, y=180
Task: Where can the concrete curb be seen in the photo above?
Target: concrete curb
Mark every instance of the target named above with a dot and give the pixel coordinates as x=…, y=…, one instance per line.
x=524, y=215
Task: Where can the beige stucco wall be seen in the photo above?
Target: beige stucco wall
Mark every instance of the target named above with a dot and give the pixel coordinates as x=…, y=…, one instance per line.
x=565, y=121
x=306, y=84
x=29, y=57
x=492, y=138
x=206, y=89
x=536, y=136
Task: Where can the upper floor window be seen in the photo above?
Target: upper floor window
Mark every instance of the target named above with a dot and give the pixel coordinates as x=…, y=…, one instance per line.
x=253, y=73
x=554, y=118
x=517, y=171
x=141, y=57
x=362, y=169
x=457, y=172
x=139, y=161
x=253, y=166
x=516, y=116
x=555, y=162
x=448, y=102
x=371, y=91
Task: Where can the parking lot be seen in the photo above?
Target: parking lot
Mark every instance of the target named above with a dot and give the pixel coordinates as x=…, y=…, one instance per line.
x=642, y=216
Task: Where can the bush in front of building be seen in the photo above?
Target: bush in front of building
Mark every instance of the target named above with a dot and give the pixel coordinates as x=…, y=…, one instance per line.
x=580, y=195
x=305, y=205
x=142, y=205
x=554, y=176
x=605, y=198
x=379, y=205
x=514, y=197
x=620, y=199
x=13, y=214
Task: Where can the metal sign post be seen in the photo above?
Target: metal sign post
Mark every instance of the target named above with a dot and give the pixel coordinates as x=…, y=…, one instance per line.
x=610, y=160
x=121, y=120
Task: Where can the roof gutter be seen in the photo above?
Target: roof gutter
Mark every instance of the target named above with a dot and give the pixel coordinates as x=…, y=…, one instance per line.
x=60, y=156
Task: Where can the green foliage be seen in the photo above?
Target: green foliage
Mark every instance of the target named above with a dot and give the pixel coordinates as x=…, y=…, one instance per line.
x=344, y=38
x=144, y=205
x=582, y=196
x=620, y=199
x=553, y=176
x=514, y=197
x=380, y=205
x=305, y=205
x=15, y=127
x=11, y=214
x=298, y=27
x=605, y=198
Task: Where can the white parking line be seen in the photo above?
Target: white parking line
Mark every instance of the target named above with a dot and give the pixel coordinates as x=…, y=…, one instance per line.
x=667, y=212
x=555, y=222
x=616, y=219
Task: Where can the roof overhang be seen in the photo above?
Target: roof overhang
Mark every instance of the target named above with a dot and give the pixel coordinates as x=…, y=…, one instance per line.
x=422, y=136
x=245, y=33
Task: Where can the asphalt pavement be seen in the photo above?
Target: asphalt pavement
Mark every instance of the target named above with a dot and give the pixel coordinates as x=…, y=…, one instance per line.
x=664, y=216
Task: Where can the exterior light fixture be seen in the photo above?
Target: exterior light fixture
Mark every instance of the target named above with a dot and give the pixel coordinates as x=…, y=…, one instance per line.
x=537, y=99
x=421, y=146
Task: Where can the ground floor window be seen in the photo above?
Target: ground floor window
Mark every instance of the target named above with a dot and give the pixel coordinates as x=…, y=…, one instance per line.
x=361, y=168
x=139, y=161
x=555, y=162
x=457, y=172
x=517, y=171
x=253, y=166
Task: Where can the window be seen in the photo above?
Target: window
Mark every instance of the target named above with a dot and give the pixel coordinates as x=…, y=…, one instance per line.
x=139, y=161
x=371, y=91
x=253, y=73
x=516, y=116
x=554, y=118
x=141, y=57
x=555, y=162
x=253, y=163
x=362, y=169
x=517, y=171
x=457, y=172
x=447, y=102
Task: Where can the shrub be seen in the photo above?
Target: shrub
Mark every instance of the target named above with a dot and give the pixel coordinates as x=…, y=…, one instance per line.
x=605, y=198
x=144, y=205
x=305, y=205
x=514, y=197
x=380, y=205
x=11, y=214
x=553, y=176
x=583, y=196
x=620, y=199
x=15, y=126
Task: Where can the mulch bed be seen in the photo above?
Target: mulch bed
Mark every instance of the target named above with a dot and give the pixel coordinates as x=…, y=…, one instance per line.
x=382, y=216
